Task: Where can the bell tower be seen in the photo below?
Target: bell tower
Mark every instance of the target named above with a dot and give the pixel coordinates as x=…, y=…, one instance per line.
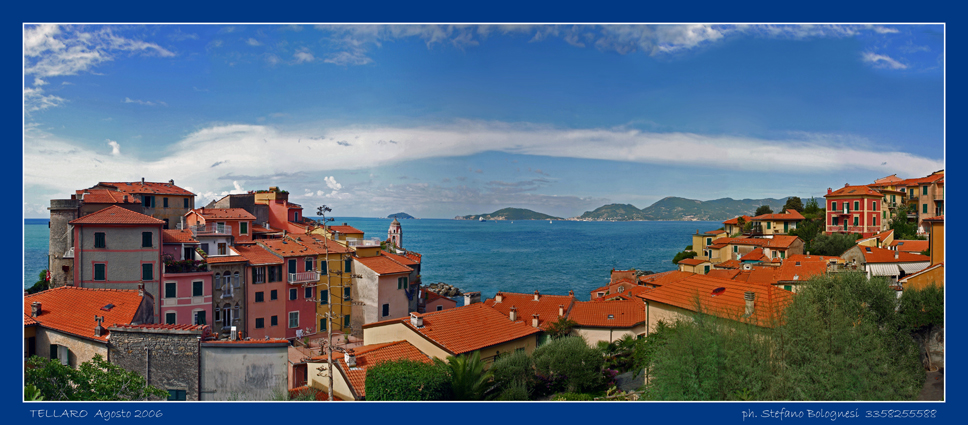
x=395, y=234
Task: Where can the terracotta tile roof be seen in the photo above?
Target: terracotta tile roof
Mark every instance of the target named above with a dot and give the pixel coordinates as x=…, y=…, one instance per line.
x=609, y=314
x=854, y=191
x=883, y=235
x=257, y=255
x=666, y=278
x=29, y=321
x=403, y=260
x=177, y=236
x=222, y=259
x=149, y=188
x=368, y=356
x=729, y=264
x=915, y=246
x=622, y=274
x=693, y=261
x=319, y=245
x=765, y=275
x=883, y=255
x=346, y=229
x=789, y=215
x=714, y=232
x=468, y=328
x=546, y=306
x=433, y=296
x=106, y=196
x=723, y=274
x=286, y=248
x=382, y=265
x=117, y=215
x=735, y=221
x=71, y=310
x=224, y=213
x=260, y=229
x=729, y=302
x=929, y=179
x=938, y=218
x=791, y=271
x=805, y=258
x=164, y=327
x=754, y=255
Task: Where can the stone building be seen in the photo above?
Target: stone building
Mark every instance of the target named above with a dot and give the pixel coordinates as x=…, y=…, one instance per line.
x=167, y=356
x=254, y=370
x=228, y=293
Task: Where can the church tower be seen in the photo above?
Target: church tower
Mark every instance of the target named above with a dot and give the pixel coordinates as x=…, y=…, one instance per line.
x=395, y=234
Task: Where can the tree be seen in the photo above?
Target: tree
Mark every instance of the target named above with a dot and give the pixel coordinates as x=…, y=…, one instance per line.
x=922, y=311
x=407, y=380
x=468, y=379
x=741, y=223
x=42, y=283
x=683, y=255
x=571, y=360
x=812, y=210
x=833, y=244
x=92, y=380
x=808, y=230
x=763, y=209
x=561, y=327
x=511, y=374
x=793, y=203
x=903, y=229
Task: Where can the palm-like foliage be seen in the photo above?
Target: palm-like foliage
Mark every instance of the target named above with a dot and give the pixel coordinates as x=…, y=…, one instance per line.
x=467, y=375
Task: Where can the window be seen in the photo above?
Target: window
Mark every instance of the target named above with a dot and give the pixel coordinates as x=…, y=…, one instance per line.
x=855, y=220
x=164, y=202
x=197, y=288
x=221, y=248
x=884, y=214
x=293, y=319
x=735, y=248
x=260, y=323
x=205, y=248
x=176, y=395
x=873, y=205
x=220, y=227
x=833, y=206
x=273, y=295
x=856, y=205
x=171, y=290
x=295, y=216
x=924, y=190
x=217, y=282
x=705, y=269
x=402, y=283
x=834, y=221
x=924, y=208
x=346, y=321
x=769, y=224
x=274, y=321
x=292, y=293
x=227, y=284
x=275, y=273
x=200, y=318
x=322, y=325
x=236, y=280
x=170, y=318
x=258, y=275
x=309, y=264
x=146, y=201
x=146, y=239
x=292, y=266
x=185, y=203
x=309, y=292
x=147, y=271
x=260, y=297
x=873, y=220
x=346, y=293
x=99, y=240
x=244, y=228
x=166, y=223
x=893, y=199
x=323, y=297
x=440, y=307
x=226, y=315
x=709, y=241
x=782, y=254
x=216, y=313
x=322, y=267
x=347, y=265
x=386, y=310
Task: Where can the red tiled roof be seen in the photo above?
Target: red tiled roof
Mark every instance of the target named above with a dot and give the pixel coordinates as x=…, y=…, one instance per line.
x=546, y=306
x=735, y=220
x=728, y=302
x=406, y=261
x=622, y=274
x=222, y=259
x=693, y=261
x=611, y=314
x=723, y=274
x=260, y=229
x=106, y=196
x=286, y=248
x=433, y=296
x=939, y=218
x=224, y=213
x=346, y=229
x=29, y=321
x=368, y=356
x=714, y=232
x=915, y=246
x=71, y=310
x=257, y=255
x=754, y=255
x=321, y=245
x=854, y=191
x=149, y=188
x=665, y=278
x=117, y=215
x=805, y=258
x=729, y=264
x=468, y=328
x=883, y=235
x=382, y=265
x=787, y=216
x=874, y=254
x=163, y=327
x=177, y=236
x=791, y=271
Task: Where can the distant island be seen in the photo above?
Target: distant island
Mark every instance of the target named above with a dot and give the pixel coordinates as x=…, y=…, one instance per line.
x=510, y=214
x=681, y=209
x=400, y=215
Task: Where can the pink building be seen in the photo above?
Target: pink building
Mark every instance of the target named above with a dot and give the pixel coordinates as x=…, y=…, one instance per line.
x=283, y=215
x=265, y=302
x=300, y=279
x=186, y=284
x=855, y=209
x=234, y=222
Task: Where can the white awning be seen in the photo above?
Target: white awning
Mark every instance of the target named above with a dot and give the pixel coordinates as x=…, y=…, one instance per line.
x=878, y=269
x=910, y=268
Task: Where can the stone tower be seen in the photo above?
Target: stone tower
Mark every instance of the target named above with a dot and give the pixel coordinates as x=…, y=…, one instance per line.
x=61, y=258
x=395, y=234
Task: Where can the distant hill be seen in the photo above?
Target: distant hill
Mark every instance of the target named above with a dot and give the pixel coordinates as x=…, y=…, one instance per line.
x=675, y=208
x=510, y=214
x=400, y=215
x=614, y=212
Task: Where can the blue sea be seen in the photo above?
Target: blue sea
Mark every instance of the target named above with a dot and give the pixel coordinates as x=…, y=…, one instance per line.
x=492, y=256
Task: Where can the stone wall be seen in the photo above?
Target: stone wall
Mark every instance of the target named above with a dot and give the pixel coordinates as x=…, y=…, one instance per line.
x=61, y=212
x=168, y=359
x=244, y=370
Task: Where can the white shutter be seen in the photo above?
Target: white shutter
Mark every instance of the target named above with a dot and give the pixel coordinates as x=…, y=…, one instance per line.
x=63, y=354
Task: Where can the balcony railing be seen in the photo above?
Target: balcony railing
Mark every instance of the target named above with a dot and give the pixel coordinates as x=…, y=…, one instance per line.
x=355, y=242
x=211, y=229
x=303, y=277
x=185, y=266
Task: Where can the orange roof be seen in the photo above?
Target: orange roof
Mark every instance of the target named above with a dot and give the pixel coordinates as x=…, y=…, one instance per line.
x=874, y=254
x=344, y=229
x=177, y=236
x=433, y=296
x=403, y=260
x=261, y=229
x=723, y=274
x=611, y=314
x=804, y=258
x=693, y=261
x=939, y=218
x=117, y=215
x=106, y=196
x=729, y=264
x=854, y=191
x=224, y=213
x=735, y=221
x=724, y=298
x=257, y=255
x=149, y=188
x=546, y=306
x=468, y=328
x=368, y=356
x=883, y=235
x=908, y=277
x=382, y=264
x=286, y=248
x=222, y=259
x=754, y=255
x=622, y=274
x=320, y=245
x=665, y=278
x=791, y=270
x=163, y=327
x=29, y=321
x=910, y=246
x=71, y=310
x=788, y=215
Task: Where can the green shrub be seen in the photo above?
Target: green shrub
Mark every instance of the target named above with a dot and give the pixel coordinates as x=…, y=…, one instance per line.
x=407, y=380
x=573, y=361
x=512, y=370
x=573, y=397
x=92, y=380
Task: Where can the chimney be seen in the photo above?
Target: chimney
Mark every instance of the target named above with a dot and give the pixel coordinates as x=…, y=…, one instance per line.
x=536, y=295
x=498, y=297
x=142, y=181
x=514, y=314
x=895, y=253
x=472, y=297
x=141, y=289
x=534, y=320
x=829, y=191
x=750, y=297
x=416, y=320
x=35, y=309
x=125, y=199
x=350, y=358
x=846, y=184
x=98, y=330
x=233, y=334
x=171, y=182
x=561, y=310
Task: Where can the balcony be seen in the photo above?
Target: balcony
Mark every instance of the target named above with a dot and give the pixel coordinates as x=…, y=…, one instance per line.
x=185, y=266
x=210, y=229
x=304, y=277
x=358, y=242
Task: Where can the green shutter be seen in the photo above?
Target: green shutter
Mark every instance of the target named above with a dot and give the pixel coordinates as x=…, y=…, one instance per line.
x=924, y=208
x=324, y=296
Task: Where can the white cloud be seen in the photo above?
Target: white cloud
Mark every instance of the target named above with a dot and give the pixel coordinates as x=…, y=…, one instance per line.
x=303, y=56
x=348, y=58
x=52, y=50
x=253, y=42
x=36, y=100
x=882, y=61
x=143, y=102
x=332, y=184
x=115, y=147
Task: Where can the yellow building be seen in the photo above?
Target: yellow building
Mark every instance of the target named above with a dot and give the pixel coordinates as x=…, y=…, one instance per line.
x=936, y=238
x=695, y=265
x=335, y=282
x=700, y=241
x=776, y=224
x=933, y=275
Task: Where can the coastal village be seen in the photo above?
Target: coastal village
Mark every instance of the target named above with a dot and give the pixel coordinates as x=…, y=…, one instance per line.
x=246, y=298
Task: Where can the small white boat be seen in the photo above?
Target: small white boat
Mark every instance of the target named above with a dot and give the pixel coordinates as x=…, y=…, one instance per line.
x=481, y=219
x=549, y=221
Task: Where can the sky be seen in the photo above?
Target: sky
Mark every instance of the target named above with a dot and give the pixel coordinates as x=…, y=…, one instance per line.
x=445, y=120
